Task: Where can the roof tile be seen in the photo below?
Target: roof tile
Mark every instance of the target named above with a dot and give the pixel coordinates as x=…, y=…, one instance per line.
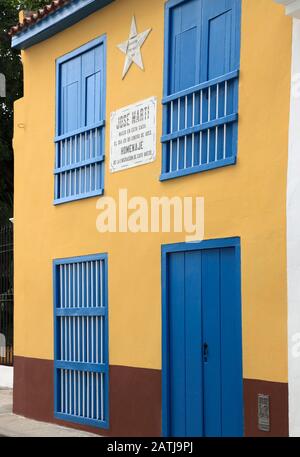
x=33, y=17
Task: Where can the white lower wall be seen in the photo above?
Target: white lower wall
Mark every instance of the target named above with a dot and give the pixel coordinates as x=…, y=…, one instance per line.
x=293, y=238
x=6, y=376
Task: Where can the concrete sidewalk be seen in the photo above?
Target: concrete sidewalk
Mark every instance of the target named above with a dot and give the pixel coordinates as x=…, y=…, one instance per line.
x=17, y=426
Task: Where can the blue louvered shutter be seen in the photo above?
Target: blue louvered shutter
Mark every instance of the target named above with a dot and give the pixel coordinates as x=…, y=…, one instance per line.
x=71, y=95
x=218, y=38
x=201, y=86
x=185, y=45
x=80, y=124
x=92, y=78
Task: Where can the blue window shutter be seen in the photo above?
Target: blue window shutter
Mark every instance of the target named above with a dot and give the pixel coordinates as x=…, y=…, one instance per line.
x=79, y=163
x=70, y=95
x=218, y=38
x=200, y=116
x=92, y=80
x=185, y=45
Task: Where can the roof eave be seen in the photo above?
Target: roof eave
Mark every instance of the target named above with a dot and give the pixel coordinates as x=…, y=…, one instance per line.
x=292, y=7
x=56, y=22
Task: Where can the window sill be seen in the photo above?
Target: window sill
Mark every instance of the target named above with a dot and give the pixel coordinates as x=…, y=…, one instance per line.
x=61, y=201
x=198, y=169
x=79, y=420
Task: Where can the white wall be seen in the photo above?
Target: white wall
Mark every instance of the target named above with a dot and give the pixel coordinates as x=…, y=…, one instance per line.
x=6, y=376
x=293, y=238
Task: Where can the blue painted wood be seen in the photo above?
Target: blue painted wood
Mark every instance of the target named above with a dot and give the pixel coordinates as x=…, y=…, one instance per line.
x=80, y=312
x=198, y=169
x=193, y=337
x=177, y=346
x=78, y=259
x=202, y=392
x=77, y=420
x=201, y=86
x=166, y=118
x=81, y=130
x=199, y=128
x=202, y=44
x=106, y=340
x=80, y=297
x=57, y=381
x=166, y=424
x=80, y=121
x=211, y=336
x=77, y=165
x=205, y=244
x=184, y=49
x=220, y=27
x=56, y=22
x=231, y=332
x=61, y=201
x=70, y=99
x=218, y=45
x=91, y=367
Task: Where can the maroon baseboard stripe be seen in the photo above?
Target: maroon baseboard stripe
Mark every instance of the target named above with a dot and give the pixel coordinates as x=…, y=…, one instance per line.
x=135, y=400
x=33, y=388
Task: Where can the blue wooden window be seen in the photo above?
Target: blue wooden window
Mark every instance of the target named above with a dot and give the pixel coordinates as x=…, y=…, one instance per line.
x=200, y=104
x=80, y=112
x=81, y=340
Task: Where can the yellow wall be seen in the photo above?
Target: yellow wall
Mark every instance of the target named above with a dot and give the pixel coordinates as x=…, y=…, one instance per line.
x=246, y=200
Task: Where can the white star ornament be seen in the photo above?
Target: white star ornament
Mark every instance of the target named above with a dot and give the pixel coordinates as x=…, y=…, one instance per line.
x=132, y=48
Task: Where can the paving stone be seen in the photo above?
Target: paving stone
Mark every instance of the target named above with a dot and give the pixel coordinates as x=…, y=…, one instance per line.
x=12, y=425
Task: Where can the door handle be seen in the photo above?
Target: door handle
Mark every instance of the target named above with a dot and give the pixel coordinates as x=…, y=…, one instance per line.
x=205, y=352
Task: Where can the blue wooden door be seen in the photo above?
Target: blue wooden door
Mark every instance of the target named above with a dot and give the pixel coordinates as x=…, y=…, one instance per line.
x=202, y=333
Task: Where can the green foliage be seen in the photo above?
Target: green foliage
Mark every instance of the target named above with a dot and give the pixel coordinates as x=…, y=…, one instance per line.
x=11, y=67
